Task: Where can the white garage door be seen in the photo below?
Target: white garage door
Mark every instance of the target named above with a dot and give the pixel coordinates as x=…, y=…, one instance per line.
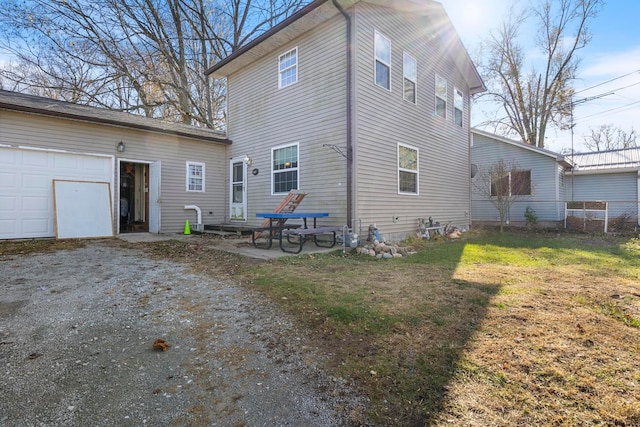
x=26, y=189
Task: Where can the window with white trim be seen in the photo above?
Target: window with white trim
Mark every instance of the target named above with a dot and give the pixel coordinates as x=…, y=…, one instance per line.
x=458, y=106
x=288, y=68
x=410, y=78
x=195, y=177
x=441, y=97
x=383, y=61
x=284, y=169
x=407, y=169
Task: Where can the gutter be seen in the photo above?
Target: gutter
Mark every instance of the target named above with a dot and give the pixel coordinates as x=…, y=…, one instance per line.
x=349, y=115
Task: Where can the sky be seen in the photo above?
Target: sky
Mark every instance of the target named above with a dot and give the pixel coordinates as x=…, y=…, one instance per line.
x=614, y=51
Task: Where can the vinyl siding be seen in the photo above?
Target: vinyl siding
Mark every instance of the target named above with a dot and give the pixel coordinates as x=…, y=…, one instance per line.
x=384, y=119
x=36, y=131
x=310, y=112
x=619, y=189
x=547, y=198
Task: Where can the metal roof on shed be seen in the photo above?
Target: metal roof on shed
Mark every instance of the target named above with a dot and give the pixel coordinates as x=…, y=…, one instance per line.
x=612, y=159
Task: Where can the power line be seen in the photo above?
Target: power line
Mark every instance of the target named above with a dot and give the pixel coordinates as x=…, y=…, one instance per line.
x=608, y=81
x=610, y=110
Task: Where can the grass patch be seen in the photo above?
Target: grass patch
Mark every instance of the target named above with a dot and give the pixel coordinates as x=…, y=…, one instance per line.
x=493, y=330
x=26, y=247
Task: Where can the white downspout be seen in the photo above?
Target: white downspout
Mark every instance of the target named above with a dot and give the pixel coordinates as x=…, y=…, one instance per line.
x=199, y=215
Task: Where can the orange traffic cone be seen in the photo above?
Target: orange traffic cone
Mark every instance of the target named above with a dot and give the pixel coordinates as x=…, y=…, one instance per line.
x=187, y=228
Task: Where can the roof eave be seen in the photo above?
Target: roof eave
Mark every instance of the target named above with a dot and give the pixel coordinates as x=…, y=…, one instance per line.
x=155, y=127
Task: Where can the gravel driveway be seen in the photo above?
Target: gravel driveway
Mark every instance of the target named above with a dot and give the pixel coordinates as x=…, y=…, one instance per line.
x=76, y=334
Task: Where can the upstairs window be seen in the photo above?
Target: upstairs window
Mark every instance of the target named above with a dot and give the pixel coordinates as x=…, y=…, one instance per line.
x=195, y=177
x=407, y=170
x=383, y=61
x=288, y=68
x=441, y=97
x=409, y=74
x=284, y=169
x=458, y=106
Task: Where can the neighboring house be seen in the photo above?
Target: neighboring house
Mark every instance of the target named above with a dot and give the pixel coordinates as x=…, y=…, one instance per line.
x=153, y=168
x=363, y=105
x=541, y=173
x=610, y=176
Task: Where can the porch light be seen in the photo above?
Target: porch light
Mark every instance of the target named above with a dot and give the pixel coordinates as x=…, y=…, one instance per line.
x=247, y=160
x=120, y=147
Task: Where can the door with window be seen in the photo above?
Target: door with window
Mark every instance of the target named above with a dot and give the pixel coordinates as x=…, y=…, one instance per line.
x=238, y=190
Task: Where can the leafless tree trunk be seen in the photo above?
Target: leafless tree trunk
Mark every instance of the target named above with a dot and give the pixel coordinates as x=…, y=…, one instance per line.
x=141, y=56
x=503, y=184
x=536, y=99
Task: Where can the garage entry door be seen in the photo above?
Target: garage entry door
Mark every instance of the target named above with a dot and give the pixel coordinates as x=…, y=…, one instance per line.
x=26, y=189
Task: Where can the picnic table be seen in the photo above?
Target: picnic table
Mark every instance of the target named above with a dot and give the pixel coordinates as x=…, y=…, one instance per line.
x=294, y=233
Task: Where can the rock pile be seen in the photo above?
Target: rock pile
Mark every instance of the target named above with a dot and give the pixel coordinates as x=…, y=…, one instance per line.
x=384, y=250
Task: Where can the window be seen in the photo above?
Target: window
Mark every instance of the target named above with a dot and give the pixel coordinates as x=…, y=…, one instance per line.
x=407, y=170
x=195, y=176
x=409, y=73
x=383, y=61
x=441, y=97
x=288, y=68
x=284, y=170
x=458, y=106
x=515, y=183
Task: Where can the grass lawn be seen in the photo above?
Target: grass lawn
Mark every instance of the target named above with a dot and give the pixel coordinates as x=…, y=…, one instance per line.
x=503, y=330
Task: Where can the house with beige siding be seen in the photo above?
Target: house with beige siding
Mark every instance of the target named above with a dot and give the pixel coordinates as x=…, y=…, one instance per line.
x=363, y=105
x=152, y=169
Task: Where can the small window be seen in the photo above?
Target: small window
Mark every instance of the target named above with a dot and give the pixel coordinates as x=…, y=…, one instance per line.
x=407, y=170
x=409, y=73
x=288, y=68
x=441, y=97
x=383, y=61
x=284, y=169
x=458, y=106
x=515, y=183
x=195, y=177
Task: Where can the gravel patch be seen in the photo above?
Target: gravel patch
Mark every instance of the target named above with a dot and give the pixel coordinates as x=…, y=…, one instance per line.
x=77, y=329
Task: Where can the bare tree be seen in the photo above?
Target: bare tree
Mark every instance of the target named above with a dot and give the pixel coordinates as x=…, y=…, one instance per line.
x=503, y=184
x=535, y=99
x=609, y=137
x=141, y=56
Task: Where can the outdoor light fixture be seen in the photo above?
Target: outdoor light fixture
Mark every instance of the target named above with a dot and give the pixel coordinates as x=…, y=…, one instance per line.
x=120, y=147
x=247, y=160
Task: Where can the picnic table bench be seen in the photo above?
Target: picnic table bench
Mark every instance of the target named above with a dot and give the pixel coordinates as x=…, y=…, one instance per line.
x=295, y=234
x=298, y=236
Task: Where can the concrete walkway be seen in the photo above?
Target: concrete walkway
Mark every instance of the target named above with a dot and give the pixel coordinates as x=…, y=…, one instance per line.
x=235, y=244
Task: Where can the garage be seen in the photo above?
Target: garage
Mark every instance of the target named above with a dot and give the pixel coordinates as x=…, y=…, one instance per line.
x=26, y=189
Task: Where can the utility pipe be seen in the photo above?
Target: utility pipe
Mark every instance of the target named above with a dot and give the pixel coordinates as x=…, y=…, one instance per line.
x=199, y=215
x=349, y=114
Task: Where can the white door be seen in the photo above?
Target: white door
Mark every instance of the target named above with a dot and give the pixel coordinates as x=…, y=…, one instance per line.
x=26, y=187
x=154, y=197
x=238, y=190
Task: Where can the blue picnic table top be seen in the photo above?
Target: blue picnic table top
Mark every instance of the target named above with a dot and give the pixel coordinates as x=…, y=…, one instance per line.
x=291, y=215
